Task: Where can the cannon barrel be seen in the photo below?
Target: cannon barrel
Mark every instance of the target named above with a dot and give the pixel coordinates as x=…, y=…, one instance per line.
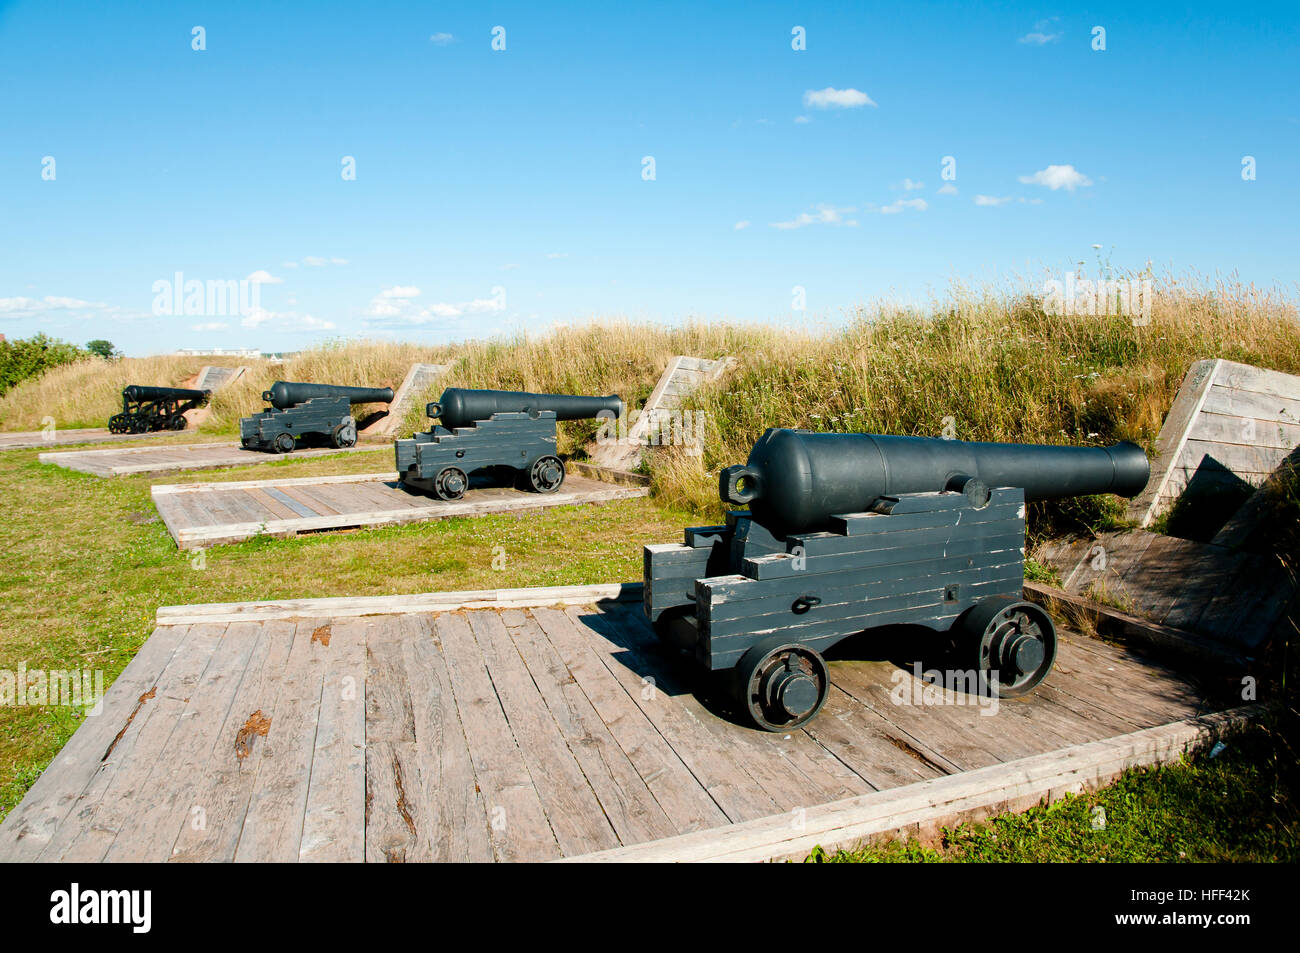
x=795, y=480
x=460, y=407
x=145, y=392
x=285, y=394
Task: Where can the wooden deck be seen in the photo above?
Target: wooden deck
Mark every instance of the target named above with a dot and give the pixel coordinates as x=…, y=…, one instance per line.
x=30, y=439
x=133, y=461
x=543, y=724
x=207, y=514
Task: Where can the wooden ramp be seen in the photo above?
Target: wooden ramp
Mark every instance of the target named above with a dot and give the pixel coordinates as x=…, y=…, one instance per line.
x=680, y=378
x=187, y=456
x=214, y=377
x=207, y=514
x=536, y=724
x=1228, y=429
x=415, y=385
x=27, y=440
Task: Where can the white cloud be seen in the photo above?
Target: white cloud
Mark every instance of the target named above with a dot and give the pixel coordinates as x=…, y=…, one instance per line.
x=400, y=291
x=947, y=189
x=396, y=307
x=24, y=307
x=802, y=119
x=261, y=277
x=993, y=199
x=741, y=225
x=441, y=39
x=510, y=267
x=899, y=204
x=210, y=326
x=825, y=215
x=832, y=98
x=287, y=319
x=288, y=264
x=1058, y=177
x=338, y=261
x=910, y=186
x=313, y=262
x=1039, y=39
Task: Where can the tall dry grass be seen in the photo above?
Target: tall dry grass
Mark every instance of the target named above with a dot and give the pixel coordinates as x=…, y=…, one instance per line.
x=87, y=393
x=356, y=363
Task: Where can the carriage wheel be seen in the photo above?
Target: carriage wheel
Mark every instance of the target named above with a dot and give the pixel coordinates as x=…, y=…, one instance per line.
x=782, y=684
x=1010, y=639
x=345, y=434
x=284, y=442
x=546, y=474
x=117, y=424
x=450, y=484
x=177, y=422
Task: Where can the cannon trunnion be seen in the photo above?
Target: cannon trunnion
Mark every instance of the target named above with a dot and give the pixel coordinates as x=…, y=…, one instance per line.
x=307, y=410
x=146, y=409
x=506, y=435
x=907, y=536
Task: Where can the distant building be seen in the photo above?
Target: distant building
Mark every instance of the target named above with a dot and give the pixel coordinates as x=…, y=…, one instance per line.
x=220, y=352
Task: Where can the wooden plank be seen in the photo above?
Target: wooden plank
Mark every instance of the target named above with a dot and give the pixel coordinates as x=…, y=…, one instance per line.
x=575, y=813
x=333, y=825
x=393, y=813
x=169, y=796
x=626, y=801
x=1187, y=405
x=516, y=818
x=231, y=775
x=273, y=823
x=679, y=793
x=414, y=602
x=945, y=801
x=458, y=825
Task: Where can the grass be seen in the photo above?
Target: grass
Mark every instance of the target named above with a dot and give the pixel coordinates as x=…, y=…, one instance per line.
x=84, y=562
x=1237, y=806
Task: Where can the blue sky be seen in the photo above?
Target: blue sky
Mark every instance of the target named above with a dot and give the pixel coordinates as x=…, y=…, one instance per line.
x=499, y=189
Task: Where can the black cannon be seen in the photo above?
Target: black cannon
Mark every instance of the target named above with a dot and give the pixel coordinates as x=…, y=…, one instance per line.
x=307, y=410
x=850, y=532
x=147, y=409
x=508, y=436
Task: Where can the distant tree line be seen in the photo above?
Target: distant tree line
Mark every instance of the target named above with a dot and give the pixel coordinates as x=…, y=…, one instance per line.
x=27, y=358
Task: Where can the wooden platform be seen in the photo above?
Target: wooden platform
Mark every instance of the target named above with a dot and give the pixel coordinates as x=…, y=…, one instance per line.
x=207, y=514
x=27, y=440
x=130, y=461
x=536, y=724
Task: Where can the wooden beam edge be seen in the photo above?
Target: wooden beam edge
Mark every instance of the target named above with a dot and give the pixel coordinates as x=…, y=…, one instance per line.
x=928, y=805
x=536, y=596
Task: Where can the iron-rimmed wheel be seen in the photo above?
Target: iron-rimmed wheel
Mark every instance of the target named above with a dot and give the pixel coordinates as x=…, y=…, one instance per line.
x=117, y=424
x=345, y=434
x=782, y=684
x=450, y=484
x=284, y=442
x=176, y=423
x=1011, y=642
x=546, y=474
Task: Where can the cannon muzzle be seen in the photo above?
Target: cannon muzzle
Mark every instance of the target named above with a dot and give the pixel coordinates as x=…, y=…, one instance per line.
x=795, y=480
x=460, y=407
x=285, y=394
x=145, y=392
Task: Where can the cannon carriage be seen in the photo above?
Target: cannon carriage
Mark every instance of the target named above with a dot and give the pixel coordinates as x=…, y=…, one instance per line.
x=848, y=533
x=148, y=409
x=297, y=411
x=504, y=436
